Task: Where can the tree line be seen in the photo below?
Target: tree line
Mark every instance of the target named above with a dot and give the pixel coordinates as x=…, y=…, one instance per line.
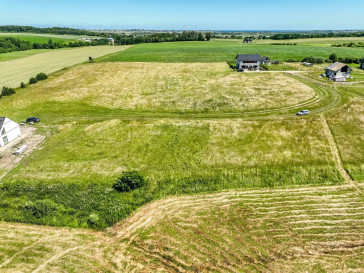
x=53, y=30
x=288, y=36
x=123, y=39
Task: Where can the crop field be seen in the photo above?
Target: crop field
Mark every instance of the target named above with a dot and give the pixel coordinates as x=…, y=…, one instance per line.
x=222, y=51
x=301, y=230
x=13, y=72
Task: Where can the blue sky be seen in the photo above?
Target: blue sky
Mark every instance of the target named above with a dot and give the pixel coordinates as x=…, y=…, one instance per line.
x=186, y=14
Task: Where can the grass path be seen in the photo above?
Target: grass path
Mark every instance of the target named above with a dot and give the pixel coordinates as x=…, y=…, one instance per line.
x=335, y=151
x=13, y=72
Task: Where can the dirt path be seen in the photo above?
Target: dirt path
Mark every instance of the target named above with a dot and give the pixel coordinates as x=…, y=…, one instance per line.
x=335, y=152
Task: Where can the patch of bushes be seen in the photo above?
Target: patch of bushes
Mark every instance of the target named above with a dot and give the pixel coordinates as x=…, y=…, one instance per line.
x=33, y=80
x=129, y=181
x=7, y=91
x=314, y=60
x=22, y=85
x=41, y=77
x=291, y=61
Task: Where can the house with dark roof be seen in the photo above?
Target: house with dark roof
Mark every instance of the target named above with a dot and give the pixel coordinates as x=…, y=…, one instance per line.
x=338, y=72
x=250, y=61
x=9, y=131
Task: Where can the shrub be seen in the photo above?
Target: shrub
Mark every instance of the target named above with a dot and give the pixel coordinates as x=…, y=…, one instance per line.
x=41, y=208
x=7, y=91
x=93, y=219
x=33, y=80
x=22, y=85
x=129, y=181
x=291, y=61
x=41, y=77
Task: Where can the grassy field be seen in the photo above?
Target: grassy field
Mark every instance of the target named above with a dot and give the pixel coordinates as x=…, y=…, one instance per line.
x=21, y=54
x=222, y=51
x=102, y=119
x=42, y=39
x=302, y=230
x=348, y=128
x=76, y=166
x=182, y=88
x=13, y=72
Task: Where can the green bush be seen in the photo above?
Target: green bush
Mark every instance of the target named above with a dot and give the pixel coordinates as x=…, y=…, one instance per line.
x=22, y=85
x=291, y=61
x=129, y=181
x=41, y=77
x=41, y=208
x=33, y=80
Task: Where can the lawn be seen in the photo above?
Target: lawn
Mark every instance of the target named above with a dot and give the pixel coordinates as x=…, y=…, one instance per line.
x=222, y=51
x=15, y=71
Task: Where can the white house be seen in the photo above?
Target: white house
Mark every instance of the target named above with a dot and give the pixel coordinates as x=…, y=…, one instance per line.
x=338, y=72
x=250, y=61
x=9, y=131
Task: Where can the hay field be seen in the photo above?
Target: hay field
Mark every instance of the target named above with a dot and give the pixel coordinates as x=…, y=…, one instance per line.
x=13, y=72
x=158, y=87
x=302, y=230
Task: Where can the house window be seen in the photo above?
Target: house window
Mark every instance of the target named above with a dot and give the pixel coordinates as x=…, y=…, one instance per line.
x=5, y=140
x=3, y=131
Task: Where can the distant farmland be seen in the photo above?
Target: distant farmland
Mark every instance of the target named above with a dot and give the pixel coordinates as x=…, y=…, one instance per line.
x=13, y=72
x=222, y=51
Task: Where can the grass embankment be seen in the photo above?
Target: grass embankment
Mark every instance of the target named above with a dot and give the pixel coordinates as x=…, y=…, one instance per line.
x=315, y=230
x=222, y=51
x=13, y=72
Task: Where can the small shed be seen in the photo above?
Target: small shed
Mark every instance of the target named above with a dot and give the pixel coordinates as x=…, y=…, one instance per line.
x=361, y=64
x=9, y=131
x=338, y=72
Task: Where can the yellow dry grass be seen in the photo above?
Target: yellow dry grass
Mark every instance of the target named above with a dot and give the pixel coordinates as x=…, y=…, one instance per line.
x=173, y=87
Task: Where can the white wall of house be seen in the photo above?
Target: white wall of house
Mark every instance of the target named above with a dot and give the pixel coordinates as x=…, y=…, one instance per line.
x=241, y=64
x=9, y=132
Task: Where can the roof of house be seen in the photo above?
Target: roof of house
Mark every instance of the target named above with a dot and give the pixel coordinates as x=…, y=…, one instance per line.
x=249, y=57
x=336, y=66
x=2, y=119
